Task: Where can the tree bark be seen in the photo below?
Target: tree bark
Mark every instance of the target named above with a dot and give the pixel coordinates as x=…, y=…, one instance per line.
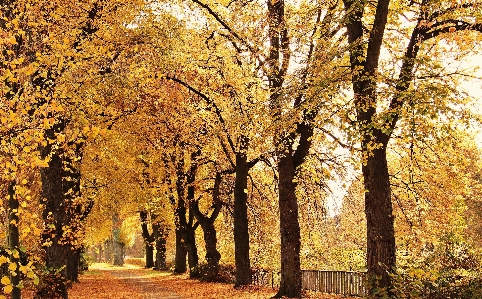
x=212, y=254
x=76, y=213
x=148, y=240
x=160, y=236
x=118, y=253
x=180, y=216
x=14, y=239
x=100, y=254
x=378, y=202
x=289, y=162
x=290, y=285
x=181, y=238
x=62, y=216
x=181, y=252
x=241, y=232
x=192, y=255
x=149, y=255
x=55, y=217
x=108, y=251
x=380, y=226
x=207, y=224
x=73, y=263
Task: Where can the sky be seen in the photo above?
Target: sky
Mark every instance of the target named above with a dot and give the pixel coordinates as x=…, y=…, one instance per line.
x=474, y=88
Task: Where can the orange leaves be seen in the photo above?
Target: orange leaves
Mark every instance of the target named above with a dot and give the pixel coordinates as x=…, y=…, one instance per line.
x=117, y=283
x=132, y=282
x=93, y=131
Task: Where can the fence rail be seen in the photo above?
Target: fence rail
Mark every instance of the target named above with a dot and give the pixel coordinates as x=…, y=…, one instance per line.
x=336, y=282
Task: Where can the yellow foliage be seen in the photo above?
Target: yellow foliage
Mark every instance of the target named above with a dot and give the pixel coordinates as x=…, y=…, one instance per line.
x=3, y=259
x=5, y=280
x=12, y=266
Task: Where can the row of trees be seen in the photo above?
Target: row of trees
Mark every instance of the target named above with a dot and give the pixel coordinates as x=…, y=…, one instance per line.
x=189, y=112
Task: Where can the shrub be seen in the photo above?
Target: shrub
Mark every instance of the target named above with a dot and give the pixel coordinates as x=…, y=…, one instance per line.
x=448, y=270
x=84, y=262
x=223, y=273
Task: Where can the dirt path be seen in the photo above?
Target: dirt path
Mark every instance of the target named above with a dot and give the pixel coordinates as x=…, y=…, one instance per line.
x=103, y=281
x=145, y=286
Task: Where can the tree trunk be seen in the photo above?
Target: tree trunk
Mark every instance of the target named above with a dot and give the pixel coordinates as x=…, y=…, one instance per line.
x=212, y=254
x=96, y=254
x=14, y=240
x=62, y=216
x=207, y=224
x=192, y=255
x=100, y=254
x=55, y=217
x=118, y=253
x=160, y=236
x=185, y=242
x=77, y=212
x=241, y=232
x=181, y=252
x=181, y=222
x=149, y=255
x=181, y=236
x=73, y=263
x=148, y=240
x=380, y=227
x=290, y=285
x=108, y=251
x=364, y=61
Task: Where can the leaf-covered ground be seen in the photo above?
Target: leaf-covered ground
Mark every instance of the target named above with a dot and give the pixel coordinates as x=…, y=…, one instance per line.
x=103, y=281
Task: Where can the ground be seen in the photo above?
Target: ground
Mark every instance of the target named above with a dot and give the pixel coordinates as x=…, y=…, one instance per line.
x=103, y=281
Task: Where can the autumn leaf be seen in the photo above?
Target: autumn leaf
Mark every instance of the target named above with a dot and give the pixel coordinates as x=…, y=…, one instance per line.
x=3, y=259
x=5, y=280
x=12, y=266
x=7, y=289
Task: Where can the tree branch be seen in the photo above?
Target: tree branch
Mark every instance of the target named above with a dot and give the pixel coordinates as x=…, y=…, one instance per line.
x=211, y=103
x=224, y=25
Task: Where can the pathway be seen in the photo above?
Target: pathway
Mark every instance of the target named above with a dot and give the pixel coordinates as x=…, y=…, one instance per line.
x=145, y=286
x=108, y=282
x=132, y=282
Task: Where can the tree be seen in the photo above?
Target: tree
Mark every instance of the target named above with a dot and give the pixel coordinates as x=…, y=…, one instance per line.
x=375, y=126
x=432, y=185
x=207, y=224
x=160, y=237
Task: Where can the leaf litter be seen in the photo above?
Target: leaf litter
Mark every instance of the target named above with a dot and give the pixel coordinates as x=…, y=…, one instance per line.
x=104, y=281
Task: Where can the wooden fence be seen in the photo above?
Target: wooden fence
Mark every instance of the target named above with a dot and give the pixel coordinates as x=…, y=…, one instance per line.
x=335, y=282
